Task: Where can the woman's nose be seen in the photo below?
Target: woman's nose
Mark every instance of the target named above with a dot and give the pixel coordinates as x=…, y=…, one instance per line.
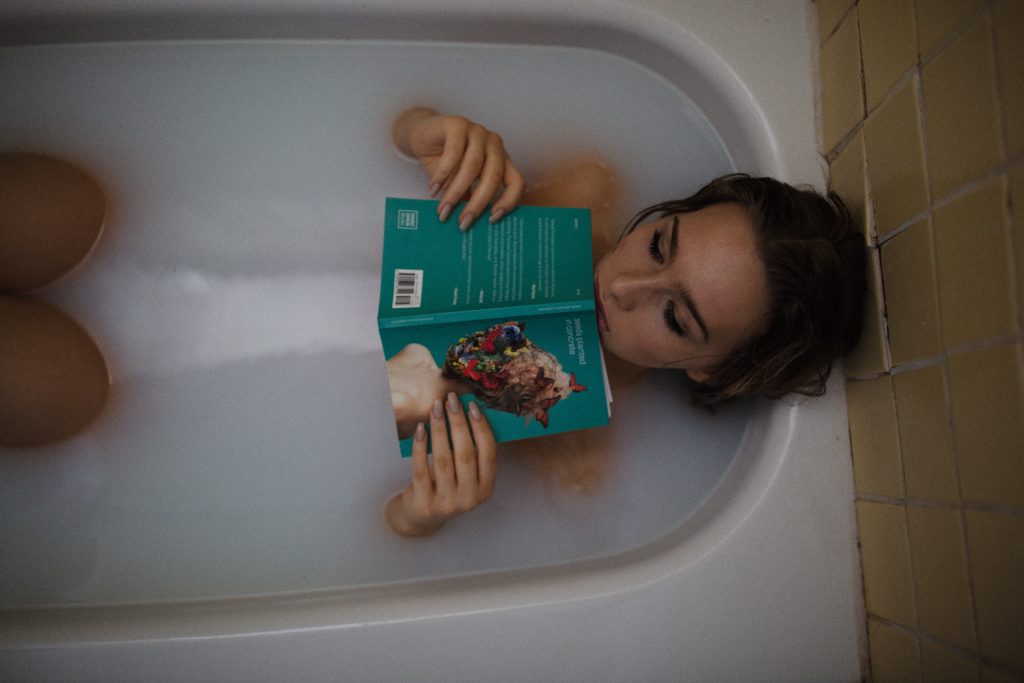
x=631, y=289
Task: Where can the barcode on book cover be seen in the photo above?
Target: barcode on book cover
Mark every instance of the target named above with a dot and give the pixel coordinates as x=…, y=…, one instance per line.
x=408, y=288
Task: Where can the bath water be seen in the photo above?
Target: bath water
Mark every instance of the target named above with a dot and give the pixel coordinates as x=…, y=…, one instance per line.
x=249, y=446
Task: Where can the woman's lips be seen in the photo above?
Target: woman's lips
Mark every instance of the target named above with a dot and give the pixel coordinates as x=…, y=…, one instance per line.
x=602, y=319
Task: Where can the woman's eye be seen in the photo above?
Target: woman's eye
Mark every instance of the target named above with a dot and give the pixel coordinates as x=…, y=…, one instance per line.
x=655, y=247
x=670, y=320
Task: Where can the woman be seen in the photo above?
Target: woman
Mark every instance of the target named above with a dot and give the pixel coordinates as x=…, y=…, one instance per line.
x=750, y=287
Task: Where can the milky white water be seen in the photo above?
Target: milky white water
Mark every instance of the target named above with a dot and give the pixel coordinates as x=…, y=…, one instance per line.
x=248, y=446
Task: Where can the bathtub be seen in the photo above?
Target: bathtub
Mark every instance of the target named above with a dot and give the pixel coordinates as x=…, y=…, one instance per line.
x=222, y=519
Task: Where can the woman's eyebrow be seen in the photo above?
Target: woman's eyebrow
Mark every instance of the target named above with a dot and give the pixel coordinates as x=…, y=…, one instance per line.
x=673, y=243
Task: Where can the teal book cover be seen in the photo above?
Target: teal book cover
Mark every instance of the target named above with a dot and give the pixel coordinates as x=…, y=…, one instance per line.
x=502, y=313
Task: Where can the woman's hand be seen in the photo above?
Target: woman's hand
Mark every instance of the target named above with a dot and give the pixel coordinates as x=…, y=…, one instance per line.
x=460, y=157
x=458, y=477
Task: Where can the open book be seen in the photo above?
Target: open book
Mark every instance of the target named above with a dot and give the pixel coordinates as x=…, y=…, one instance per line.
x=503, y=314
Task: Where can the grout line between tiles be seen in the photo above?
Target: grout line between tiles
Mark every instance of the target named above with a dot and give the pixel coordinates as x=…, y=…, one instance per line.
x=955, y=34
x=994, y=55
x=984, y=344
x=1016, y=296
x=993, y=172
x=914, y=595
x=904, y=226
x=900, y=83
x=975, y=658
x=871, y=227
x=954, y=443
x=922, y=124
x=914, y=590
x=839, y=23
x=838, y=148
x=918, y=364
x=969, y=505
x=988, y=175
x=843, y=143
x=871, y=224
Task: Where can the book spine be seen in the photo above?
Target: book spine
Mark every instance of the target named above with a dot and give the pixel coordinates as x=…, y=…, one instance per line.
x=488, y=314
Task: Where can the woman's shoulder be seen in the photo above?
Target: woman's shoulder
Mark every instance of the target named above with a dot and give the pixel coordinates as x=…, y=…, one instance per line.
x=589, y=182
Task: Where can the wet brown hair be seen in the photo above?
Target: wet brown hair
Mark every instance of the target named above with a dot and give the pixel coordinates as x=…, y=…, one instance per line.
x=814, y=261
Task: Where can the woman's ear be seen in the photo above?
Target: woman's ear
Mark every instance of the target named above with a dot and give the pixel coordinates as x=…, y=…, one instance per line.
x=699, y=376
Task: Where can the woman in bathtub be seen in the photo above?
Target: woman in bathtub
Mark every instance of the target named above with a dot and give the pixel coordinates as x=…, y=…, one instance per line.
x=749, y=287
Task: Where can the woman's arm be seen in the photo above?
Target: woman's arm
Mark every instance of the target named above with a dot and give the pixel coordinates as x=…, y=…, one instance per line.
x=462, y=159
x=457, y=477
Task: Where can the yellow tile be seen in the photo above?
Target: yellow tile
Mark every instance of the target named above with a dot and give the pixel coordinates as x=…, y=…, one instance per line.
x=911, y=300
x=997, y=564
x=885, y=558
x=869, y=357
x=941, y=664
x=961, y=119
x=848, y=178
x=988, y=424
x=929, y=466
x=1017, y=202
x=936, y=19
x=830, y=13
x=893, y=654
x=895, y=152
x=842, y=100
x=1009, y=24
x=975, y=300
x=874, y=437
x=940, y=575
x=888, y=40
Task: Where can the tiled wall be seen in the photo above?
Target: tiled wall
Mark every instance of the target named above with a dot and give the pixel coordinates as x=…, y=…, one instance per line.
x=923, y=128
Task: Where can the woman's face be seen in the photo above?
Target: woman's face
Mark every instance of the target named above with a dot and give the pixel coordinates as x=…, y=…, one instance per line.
x=683, y=291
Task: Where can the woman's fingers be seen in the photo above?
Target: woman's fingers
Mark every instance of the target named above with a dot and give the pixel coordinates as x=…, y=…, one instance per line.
x=464, y=455
x=422, y=481
x=444, y=467
x=469, y=169
x=474, y=166
x=488, y=180
x=515, y=187
x=455, y=131
x=486, y=452
x=459, y=477
x=464, y=160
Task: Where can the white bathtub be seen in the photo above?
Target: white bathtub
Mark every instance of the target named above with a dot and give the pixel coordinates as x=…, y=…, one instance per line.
x=222, y=519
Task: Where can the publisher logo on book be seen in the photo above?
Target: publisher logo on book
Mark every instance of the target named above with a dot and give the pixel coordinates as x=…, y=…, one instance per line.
x=408, y=219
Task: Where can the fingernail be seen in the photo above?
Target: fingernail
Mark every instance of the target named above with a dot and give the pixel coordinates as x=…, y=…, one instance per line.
x=438, y=410
x=444, y=211
x=421, y=432
x=453, y=403
x=467, y=220
x=474, y=410
x=496, y=215
x=434, y=189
